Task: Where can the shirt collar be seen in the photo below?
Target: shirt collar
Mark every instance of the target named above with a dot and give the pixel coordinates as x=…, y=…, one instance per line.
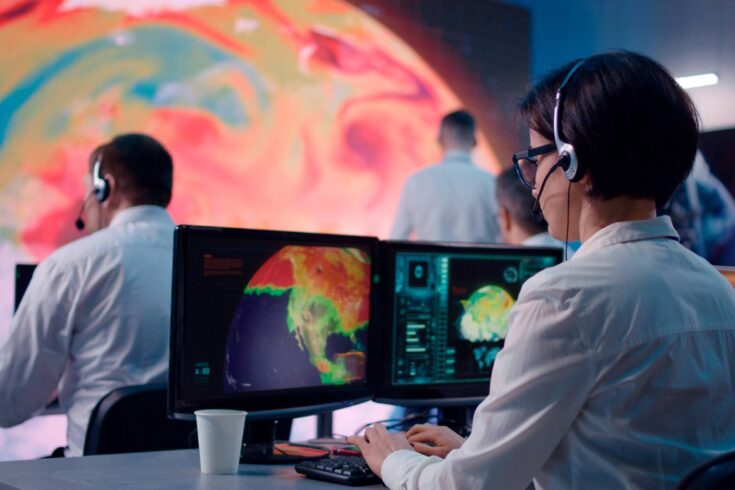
x=141, y=213
x=539, y=239
x=629, y=231
x=457, y=156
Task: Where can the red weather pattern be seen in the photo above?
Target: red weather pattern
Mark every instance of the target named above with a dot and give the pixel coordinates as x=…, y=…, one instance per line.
x=275, y=274
x=340, y=275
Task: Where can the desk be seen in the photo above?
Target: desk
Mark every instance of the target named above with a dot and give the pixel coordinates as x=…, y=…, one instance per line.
x=159, y=470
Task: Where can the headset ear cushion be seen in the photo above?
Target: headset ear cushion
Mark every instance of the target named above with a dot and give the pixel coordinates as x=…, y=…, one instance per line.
x=570, y=166
x=102, y=192
x=563, y=161
x=100, y=185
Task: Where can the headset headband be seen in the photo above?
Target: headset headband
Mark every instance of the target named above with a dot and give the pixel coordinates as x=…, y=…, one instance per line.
x=567, y=155
x=557, y=139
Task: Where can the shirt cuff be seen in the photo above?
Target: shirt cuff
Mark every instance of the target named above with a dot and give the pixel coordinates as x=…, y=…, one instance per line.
x=397, y=468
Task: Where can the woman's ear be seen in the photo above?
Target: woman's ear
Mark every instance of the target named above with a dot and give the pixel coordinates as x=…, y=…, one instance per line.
x=586, y=183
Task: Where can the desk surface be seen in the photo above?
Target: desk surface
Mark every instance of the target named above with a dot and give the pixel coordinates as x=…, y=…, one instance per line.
x=148, y=471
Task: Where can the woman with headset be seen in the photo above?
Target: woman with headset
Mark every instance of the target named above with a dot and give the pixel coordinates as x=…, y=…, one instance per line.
x=614, y=357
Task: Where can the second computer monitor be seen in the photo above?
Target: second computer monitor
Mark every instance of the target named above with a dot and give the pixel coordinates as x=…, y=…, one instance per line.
x=446, y=317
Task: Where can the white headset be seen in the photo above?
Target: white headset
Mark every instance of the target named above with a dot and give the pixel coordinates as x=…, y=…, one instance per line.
x=567, y=156
x=100, y=186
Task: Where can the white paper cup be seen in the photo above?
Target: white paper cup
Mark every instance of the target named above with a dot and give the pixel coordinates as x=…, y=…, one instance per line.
x=220, y=440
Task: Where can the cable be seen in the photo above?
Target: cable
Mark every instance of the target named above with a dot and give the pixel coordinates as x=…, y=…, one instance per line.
x=425, y=415
x=566, y=237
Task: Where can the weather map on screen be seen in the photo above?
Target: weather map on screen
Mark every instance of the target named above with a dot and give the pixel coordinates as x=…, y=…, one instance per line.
x=302, y=321
x=450, y=312
x=484, y=319
x=481, y=295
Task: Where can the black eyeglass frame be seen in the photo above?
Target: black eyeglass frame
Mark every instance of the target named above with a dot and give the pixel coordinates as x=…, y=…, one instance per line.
x=530, y=155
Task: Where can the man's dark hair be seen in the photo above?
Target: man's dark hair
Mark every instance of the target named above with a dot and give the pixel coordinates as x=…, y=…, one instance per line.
x=462, y=124
x=142, y=167
x=517, y=199
x=633, y=127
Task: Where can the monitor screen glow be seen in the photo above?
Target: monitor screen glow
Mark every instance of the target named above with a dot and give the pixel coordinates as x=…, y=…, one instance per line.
x=447, y=318
x=270, y=321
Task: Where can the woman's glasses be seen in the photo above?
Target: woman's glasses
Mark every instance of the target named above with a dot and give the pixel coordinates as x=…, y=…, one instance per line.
x=525, y=163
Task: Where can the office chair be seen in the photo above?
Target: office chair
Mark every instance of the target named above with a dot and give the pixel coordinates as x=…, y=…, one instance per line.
x=133, y=419
x=715, y=474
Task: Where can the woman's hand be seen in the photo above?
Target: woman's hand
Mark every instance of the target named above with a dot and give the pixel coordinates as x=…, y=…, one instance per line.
x=378, y=444
x=432, y=440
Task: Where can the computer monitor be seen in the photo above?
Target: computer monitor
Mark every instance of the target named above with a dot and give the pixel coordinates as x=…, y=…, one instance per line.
x=23, y=275
x=446, y=317
x=274, y=323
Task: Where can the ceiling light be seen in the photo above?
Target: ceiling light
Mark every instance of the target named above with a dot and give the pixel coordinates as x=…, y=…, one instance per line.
x=698, y=80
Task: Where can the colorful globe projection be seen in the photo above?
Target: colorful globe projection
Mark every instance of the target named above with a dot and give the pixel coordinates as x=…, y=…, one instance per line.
x=304, y=115
x=281, y=114
x=302, y=321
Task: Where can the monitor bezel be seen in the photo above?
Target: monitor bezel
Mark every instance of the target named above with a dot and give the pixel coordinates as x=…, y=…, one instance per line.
x=23, y=276
x=271, y=404
x=435, y=395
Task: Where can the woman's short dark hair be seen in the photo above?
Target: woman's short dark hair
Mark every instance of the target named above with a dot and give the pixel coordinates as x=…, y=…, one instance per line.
x=634, y=129
x=142, y=167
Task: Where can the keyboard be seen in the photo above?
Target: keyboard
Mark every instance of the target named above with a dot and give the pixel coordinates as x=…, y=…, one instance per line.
x=347, y=470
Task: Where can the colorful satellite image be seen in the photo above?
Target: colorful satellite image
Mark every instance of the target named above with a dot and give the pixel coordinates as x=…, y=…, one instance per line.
x=485, y=319
x=280, y=114
x=302, y=321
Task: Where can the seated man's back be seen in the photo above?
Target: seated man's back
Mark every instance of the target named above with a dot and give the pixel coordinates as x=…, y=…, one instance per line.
x=121, y=328
x=96, y=315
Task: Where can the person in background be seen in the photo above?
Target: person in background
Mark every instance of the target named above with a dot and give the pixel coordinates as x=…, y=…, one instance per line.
x=516, y=222
x=611, y=357
x=703, y=213
x=95, y=316
x=453, y=200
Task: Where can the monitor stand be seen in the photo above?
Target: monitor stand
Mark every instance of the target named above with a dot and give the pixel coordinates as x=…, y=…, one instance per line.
x=266, y=442
x=459, y=419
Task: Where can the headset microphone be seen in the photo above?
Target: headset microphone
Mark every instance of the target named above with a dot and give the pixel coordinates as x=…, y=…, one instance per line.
x=100, y=190
x=79, y=223
x=538, y=215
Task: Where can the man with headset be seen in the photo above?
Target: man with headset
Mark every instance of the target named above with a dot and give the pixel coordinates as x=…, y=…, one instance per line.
x=617, y=370
x=95, y=316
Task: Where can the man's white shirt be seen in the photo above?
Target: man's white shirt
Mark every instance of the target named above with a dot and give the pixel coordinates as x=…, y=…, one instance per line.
x=453, y=201
x=95, y=317
x=617, y=372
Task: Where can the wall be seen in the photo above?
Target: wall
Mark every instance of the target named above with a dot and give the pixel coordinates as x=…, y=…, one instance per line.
x=688, y=37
